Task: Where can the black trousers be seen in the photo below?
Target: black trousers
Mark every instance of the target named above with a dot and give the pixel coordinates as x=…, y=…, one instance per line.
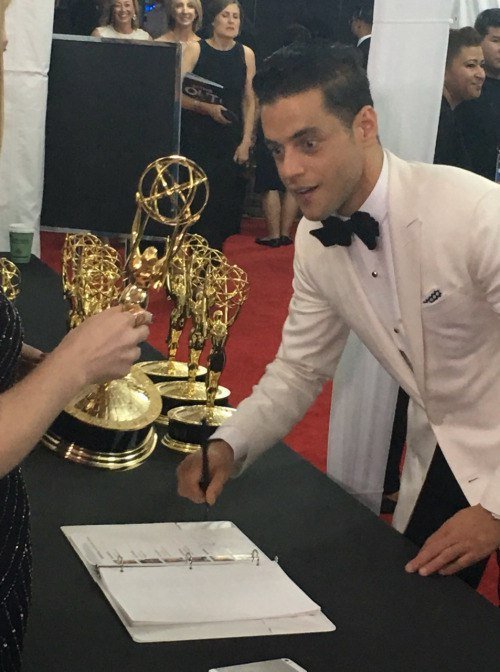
x=398, y=438
x=440, y=498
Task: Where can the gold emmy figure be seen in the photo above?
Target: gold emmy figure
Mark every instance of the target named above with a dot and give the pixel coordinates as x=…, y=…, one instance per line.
x=228, y=290
x=10, y=278
x=178, y=288
x=111, y=425
x=191, y=391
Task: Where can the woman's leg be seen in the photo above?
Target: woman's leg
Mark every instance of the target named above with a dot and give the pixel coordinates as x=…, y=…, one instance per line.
x=271, y=206
x=289, y=210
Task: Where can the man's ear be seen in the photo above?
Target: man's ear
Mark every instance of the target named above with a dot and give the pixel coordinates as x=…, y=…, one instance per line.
x=365, y=124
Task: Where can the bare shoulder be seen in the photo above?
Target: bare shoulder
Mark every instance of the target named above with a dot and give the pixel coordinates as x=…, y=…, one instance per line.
x=190, y=56
x=249, y=54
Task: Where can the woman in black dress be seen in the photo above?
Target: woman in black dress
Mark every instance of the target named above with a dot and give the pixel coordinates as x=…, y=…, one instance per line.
x=102, y=348
x=219, y=136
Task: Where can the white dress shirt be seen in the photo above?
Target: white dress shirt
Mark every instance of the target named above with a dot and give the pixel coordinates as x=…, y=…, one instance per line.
x=375, y=268
x=362, y=39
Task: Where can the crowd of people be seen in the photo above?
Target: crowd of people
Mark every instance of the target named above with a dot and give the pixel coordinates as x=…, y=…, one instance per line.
x=226, y=139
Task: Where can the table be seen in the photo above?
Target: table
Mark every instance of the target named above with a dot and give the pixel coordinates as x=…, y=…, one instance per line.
x=342, y=555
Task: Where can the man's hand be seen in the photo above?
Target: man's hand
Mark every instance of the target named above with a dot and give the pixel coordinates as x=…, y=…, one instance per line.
x=467, y=537
x=221, y=465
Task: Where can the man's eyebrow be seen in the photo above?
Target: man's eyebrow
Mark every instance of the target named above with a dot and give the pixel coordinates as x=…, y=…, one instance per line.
x=304, y=131
x=271, y=144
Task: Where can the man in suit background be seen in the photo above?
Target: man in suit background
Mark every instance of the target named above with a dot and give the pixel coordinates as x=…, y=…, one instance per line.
x=419, y=283
x=361, y=28
x=488, y=26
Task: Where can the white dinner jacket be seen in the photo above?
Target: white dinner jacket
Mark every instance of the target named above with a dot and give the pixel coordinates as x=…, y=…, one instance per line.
x=445, y=236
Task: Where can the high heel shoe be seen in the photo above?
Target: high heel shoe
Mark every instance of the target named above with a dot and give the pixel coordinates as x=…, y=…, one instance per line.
x=269, y=242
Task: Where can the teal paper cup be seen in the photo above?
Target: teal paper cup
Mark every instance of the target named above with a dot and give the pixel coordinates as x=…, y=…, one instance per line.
x=21, y=240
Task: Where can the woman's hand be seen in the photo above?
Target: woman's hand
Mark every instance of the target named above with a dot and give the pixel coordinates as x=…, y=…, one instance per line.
x=103, y=347
x=242, y=153
x=216, y=112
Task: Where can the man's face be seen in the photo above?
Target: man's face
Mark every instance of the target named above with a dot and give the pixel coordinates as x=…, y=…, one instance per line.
x=464, y=77
x=356, y=27
x=491, y=50
x=319, y=159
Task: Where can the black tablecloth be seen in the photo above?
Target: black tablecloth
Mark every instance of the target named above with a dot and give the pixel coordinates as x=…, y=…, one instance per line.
x=345, y=559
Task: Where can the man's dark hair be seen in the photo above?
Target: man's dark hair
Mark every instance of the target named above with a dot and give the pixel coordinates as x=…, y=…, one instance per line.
x=463, y=37
x=296, y=32
x=335, y=69
x=363, y=13
x=490, y=18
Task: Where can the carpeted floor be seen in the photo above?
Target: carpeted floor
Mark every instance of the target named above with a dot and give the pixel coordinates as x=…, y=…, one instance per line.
x=254, y=340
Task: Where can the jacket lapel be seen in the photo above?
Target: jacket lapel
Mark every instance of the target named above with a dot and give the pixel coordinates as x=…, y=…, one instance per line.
x=405, y=230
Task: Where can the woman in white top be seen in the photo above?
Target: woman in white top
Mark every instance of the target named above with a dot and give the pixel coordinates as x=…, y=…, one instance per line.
x=120, y=19
x=184, y=19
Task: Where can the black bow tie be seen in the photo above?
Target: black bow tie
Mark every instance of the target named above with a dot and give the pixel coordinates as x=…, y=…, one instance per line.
x=337, y=232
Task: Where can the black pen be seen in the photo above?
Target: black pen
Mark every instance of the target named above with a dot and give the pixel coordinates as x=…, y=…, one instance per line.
x=205, y=469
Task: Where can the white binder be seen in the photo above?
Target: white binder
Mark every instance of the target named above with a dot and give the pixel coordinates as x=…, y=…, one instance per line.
x=180, y=581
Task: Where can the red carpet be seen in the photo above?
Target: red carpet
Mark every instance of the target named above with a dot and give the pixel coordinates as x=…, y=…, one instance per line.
x=254, y=339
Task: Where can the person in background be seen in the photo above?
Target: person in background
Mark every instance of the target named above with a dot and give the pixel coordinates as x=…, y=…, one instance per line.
x=120, y=19
x=361, y=28
x=279, y=207
x=104, y=347
x=219, y=136
x=463, y=80
x=488, y=26
x=184, y=20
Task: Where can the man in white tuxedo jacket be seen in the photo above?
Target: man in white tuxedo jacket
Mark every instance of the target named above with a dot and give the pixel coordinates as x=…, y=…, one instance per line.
x=417, y=277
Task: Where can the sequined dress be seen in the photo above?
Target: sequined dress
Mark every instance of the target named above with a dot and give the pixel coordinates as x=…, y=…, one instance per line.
x=15, y=549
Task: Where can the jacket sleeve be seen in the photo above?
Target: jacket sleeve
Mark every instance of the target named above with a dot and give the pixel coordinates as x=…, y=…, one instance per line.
x=312, y=341
x=484, y=251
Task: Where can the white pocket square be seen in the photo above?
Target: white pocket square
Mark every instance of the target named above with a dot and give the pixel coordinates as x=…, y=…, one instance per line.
x=433, y=296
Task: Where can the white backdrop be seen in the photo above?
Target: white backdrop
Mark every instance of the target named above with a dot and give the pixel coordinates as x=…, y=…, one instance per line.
x=407, y=95
x=29, y=29
x=464, y=12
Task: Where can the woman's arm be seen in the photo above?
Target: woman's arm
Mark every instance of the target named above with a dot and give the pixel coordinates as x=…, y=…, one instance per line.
x=104, y=347
x=242, y=153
